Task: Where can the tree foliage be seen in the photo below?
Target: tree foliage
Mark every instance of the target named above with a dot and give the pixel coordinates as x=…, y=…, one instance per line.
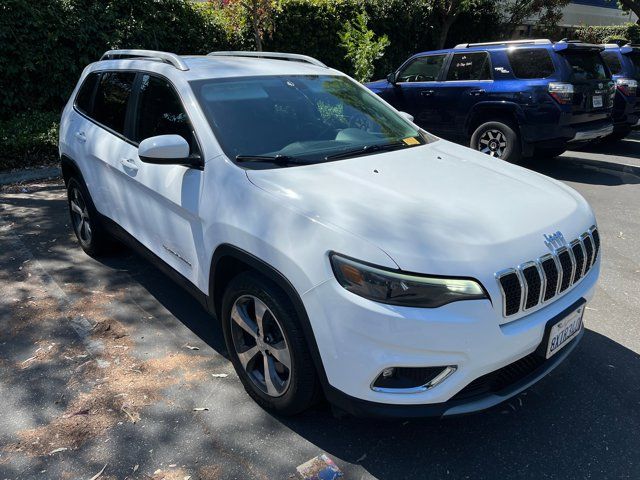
x=362, y=47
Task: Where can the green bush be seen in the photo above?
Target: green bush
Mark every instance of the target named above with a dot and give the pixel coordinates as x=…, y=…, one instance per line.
x=605, y=34
x=362, y=48
x=28, y=139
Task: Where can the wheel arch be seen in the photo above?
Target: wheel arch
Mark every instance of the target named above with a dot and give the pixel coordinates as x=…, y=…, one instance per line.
x=69, y=168
x=228, y=261
x=490, y=111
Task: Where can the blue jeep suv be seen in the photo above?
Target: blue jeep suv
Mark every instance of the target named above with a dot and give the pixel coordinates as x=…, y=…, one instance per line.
x=510, y=99
x=624, y=64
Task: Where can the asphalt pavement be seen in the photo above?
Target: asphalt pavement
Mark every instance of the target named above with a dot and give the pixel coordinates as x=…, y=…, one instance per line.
x=107, y=367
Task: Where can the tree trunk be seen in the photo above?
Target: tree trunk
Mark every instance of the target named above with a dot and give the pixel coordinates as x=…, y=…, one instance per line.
x=445, y=26
x=256, y=25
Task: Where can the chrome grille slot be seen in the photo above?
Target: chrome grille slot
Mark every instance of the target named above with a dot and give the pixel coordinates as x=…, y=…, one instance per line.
x=579, y=256
x=533, y=283
x=536, y=282
x=566, y=263
x=511, y=291
x=588, y=248
x=552, y=275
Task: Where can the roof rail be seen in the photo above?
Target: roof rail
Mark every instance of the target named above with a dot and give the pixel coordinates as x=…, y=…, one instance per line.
x=293, y=57
x=170, y=58
x=529, y=41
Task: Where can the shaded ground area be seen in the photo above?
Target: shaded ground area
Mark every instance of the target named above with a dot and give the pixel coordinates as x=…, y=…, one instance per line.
x=109, y=363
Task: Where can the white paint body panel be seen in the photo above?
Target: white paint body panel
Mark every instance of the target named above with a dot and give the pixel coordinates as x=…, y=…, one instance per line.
x=437, y=209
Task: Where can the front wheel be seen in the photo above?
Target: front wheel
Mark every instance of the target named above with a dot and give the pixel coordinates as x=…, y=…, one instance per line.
x=497, y=139
x=266, y=345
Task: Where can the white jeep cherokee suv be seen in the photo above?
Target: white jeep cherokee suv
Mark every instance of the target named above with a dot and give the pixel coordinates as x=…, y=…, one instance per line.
x=345, y=251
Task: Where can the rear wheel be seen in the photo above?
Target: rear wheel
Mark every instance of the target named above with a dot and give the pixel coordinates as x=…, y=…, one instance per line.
x=497, y=139
x=266, y=345
x=90, y=232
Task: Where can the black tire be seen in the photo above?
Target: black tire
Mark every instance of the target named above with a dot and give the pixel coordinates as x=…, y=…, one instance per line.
x=302, y=390
x=501, y=132
x=95, y=241
x=542, y=153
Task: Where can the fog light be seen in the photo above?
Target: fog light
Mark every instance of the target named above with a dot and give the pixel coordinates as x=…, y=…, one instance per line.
x=411, y=380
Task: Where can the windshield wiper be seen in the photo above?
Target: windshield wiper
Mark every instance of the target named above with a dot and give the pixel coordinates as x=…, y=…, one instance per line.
x=277, y=159
x=366, y=149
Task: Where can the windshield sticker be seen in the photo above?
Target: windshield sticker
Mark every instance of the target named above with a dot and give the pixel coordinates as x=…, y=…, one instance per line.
x=411, y=141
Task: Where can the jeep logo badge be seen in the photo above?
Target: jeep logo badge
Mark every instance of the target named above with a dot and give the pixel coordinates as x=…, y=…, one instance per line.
x=555, y=241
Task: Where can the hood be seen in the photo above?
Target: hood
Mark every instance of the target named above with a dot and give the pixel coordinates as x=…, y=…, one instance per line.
x=439, y=208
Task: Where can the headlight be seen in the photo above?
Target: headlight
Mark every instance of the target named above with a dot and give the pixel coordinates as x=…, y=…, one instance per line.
x=397, y=288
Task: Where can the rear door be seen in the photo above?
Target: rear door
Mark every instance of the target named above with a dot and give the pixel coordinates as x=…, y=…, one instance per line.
x=468, y=81
x=591, y=79
x=417, y=90
x=105, y=141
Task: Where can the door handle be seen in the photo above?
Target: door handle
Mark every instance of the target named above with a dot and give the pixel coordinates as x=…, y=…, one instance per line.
x=129, y=164
x=80, y=136
x=427, y=93
x=477, y=92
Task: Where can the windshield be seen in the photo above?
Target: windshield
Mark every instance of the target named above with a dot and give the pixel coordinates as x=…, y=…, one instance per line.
x=586, y=66
x=309, y=118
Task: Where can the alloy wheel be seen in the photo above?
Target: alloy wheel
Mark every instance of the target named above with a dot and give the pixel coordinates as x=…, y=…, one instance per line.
x=261, y=345
x=493, y=142
x=80, y=216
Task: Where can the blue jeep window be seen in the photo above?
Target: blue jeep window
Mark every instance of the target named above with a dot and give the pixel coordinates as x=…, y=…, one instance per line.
x=586, y=65
x=530, y=62
x=470, y=66
x=422, y=69
x=613, y=62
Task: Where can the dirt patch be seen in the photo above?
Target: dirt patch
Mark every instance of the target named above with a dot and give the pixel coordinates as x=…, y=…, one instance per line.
x=212, y=472
x=107, y=387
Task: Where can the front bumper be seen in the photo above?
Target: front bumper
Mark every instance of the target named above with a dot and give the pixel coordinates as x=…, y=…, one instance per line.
x=358, y=338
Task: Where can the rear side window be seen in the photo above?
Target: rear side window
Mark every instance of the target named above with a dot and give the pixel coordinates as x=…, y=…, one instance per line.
x=423, y=69
x=530, y=62
x=586, y=66
x=112, y=99
x=470, y=66
x=84, y=99
x=160, y=112
x=613, y=62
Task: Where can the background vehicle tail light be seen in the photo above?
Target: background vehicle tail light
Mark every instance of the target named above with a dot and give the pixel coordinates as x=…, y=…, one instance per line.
x=627, y=86
x=561, y=92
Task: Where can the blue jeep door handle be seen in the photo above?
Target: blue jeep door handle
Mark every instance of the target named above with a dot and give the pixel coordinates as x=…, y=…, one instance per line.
x=477, y=91
x=426, y=93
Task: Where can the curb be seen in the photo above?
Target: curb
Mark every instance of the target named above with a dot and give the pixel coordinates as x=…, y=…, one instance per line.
x=29, y=175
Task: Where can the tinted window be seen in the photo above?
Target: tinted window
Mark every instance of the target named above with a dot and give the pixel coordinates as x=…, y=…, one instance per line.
x=84, y=100
x=112, y=97
x=586, y=66
x=613, y=62
x=423, y=69
x=530, y=62
x=470, y=66
x=160, y=112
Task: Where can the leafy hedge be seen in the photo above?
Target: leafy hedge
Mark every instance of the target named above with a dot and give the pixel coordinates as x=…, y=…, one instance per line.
x=609, y=34
x=28, y=138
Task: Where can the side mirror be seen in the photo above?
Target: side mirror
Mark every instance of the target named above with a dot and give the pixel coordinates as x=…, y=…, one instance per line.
x=167, y=150
x=391, y=78
x=406, y=115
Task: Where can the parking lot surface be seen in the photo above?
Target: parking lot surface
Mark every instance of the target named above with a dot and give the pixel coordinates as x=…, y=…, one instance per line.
x=107, y=367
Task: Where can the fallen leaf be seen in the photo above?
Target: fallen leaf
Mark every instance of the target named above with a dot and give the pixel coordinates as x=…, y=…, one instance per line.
x=364, y=455
x=191, y=347
x=99, y=473
x=61, y=449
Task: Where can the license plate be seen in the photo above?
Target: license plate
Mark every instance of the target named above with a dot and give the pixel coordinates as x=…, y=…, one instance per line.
x=597, y=101
x=564, y=331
